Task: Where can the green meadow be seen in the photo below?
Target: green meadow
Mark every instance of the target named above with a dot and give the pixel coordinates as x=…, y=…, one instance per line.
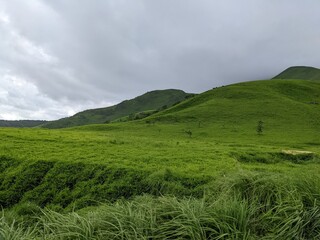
x=201, y=169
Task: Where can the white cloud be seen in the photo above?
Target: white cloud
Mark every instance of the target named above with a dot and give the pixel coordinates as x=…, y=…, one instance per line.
x=20, y=99
x=25, y=47
x=4, y=18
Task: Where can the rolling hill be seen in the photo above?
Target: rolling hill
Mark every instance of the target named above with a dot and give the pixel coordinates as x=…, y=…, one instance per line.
x=300, y=72
x=150, y=101
x=279, y=102
x=286, y=106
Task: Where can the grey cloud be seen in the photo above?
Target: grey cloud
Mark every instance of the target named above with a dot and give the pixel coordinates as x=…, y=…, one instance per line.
x=83, y=54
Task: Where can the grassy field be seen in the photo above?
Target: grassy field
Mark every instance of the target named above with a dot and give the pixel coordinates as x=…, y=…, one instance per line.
x=198, y=170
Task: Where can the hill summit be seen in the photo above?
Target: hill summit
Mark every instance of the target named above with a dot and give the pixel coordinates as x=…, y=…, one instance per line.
x=300, y=72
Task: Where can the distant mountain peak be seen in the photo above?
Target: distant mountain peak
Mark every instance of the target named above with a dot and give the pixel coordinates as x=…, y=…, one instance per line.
x=302, y=67
x=300, y=72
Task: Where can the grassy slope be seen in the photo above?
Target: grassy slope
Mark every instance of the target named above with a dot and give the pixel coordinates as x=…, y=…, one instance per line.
x=287, y=107
x=300, y=72
x=155, y=155
x=148, y=101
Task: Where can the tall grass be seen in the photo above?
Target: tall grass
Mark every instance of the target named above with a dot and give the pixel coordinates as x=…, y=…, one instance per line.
x=241, y=207
x=11, y=230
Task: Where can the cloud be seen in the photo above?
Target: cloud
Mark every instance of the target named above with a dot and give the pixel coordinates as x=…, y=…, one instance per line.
x=20, y=99
x=75, y=54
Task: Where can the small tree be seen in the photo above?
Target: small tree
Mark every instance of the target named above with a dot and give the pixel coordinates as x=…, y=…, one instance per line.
x=131, y=116
x=260, y=127
x=189, y=133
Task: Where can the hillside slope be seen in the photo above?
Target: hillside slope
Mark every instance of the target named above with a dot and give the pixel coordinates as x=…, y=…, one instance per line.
x=285, y=106
x=300, y=72
x=149, y=101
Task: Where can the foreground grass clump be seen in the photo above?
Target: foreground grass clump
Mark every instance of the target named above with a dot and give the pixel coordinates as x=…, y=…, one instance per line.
x=247, y=206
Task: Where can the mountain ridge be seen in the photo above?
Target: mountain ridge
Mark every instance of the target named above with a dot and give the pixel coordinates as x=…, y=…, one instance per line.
x=149, y=101
x=21, y=123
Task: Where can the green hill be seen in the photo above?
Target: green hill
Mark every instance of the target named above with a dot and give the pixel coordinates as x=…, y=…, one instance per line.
x=281, y=103
x=149, y=101
x=300, y=72
x=21, y=123
x=147, y=104
x=290, y=110
x=284, y=105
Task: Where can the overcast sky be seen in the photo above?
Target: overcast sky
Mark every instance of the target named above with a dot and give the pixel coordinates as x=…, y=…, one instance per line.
x=58, y=57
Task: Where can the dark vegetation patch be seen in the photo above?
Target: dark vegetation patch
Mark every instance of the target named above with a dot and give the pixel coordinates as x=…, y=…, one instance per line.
x=276, y=157
x=77, y=185
x=19, y=179
x=114, y=141
x=313, y=143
